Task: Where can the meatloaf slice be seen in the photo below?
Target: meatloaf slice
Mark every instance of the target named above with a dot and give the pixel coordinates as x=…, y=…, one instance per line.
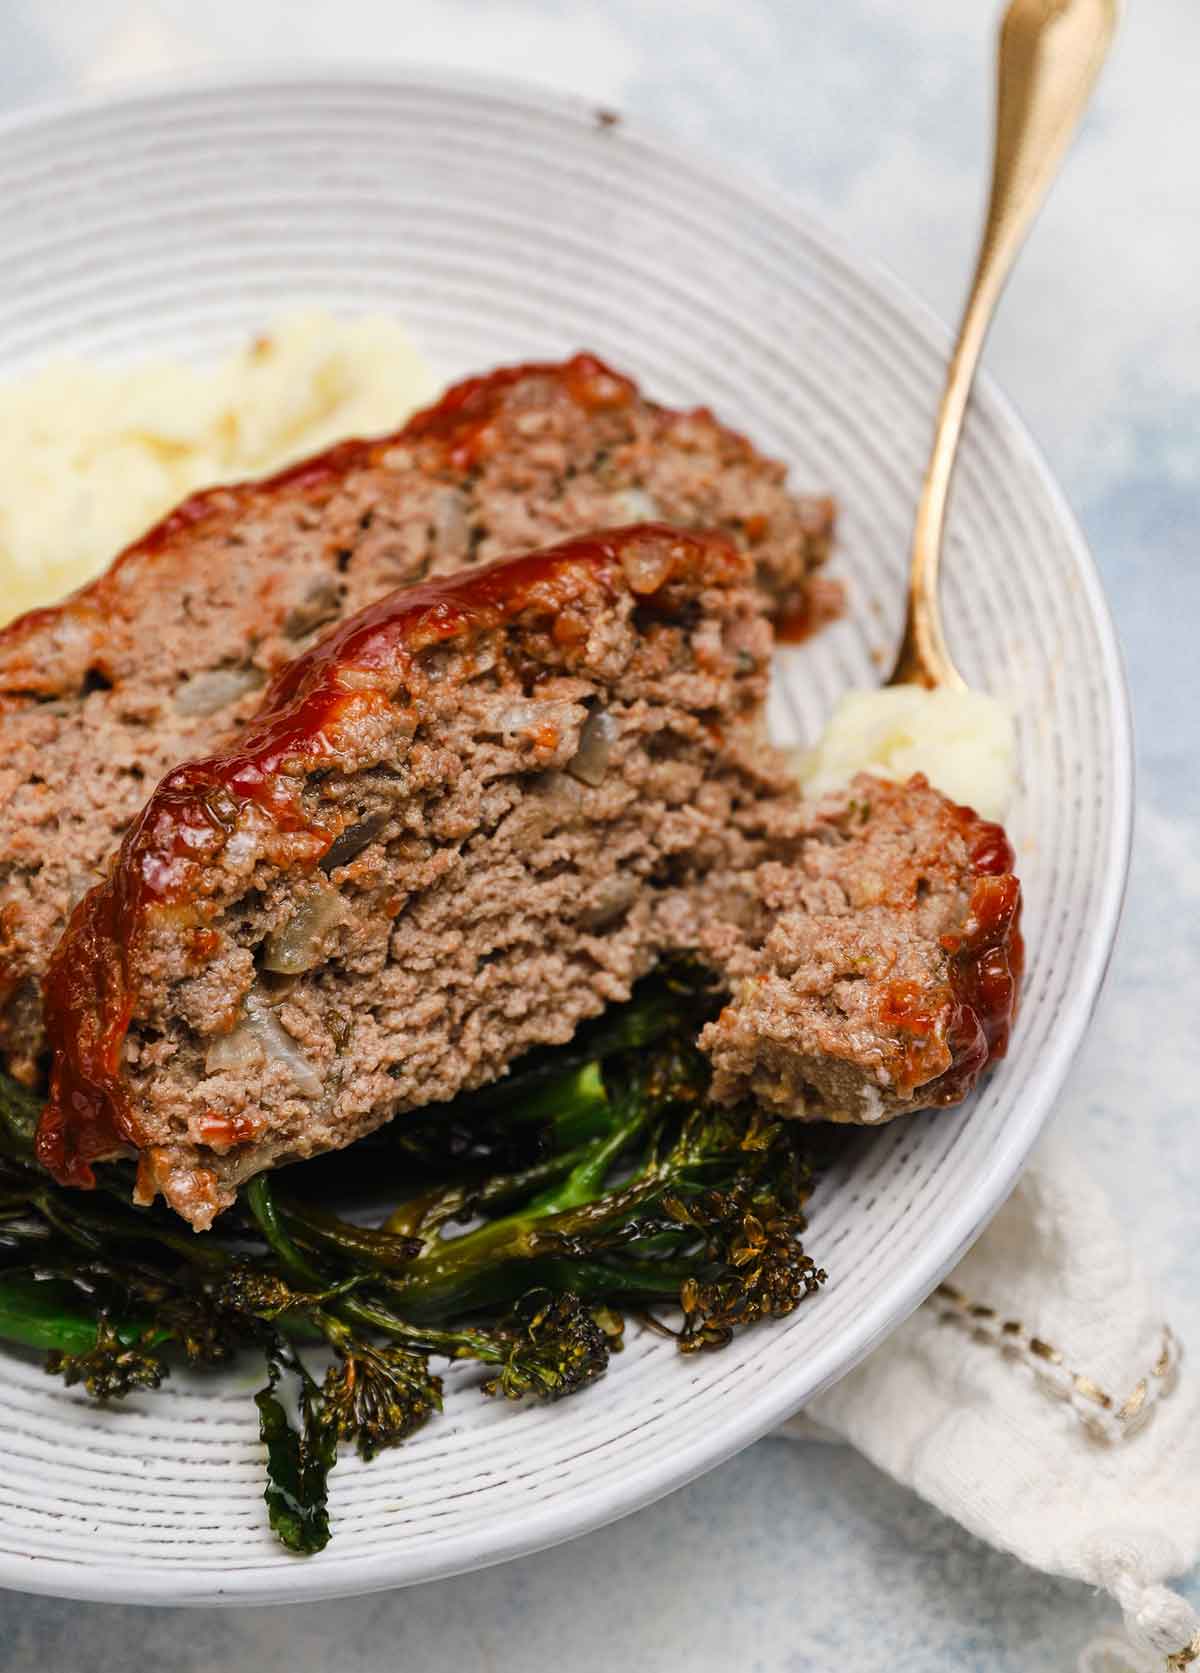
x=470, y=818
x=166, y=655
x=439, y=844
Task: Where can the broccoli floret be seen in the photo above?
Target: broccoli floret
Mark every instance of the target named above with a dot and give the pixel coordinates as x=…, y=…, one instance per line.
x=378, y=1396
x=755, y=1265
x=111, y=1368
x=553, y=1348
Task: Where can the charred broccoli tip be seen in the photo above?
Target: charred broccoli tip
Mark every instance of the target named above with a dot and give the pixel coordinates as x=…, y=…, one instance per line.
x=111, y=1368
x=754, y=1265
x=378, y=1396
x=554, y=1347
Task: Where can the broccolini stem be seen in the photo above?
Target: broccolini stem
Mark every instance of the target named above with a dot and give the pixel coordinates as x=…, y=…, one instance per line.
x=569, y=1101
x=586, y=1178
x=44, y=1314
x=89, y=1227
x=446, y=1278
x=65, y=1223
x=502, y=1189
x=413, y=1216
x=421, y=1215
x=627, y=1280
x=451, y=1344
x=635, y=1282
x=361, y=1245
x=346, y=1307
x=647, y=1017
x=258, y=1197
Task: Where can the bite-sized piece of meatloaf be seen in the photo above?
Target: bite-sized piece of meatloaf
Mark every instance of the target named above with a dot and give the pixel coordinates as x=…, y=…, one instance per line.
x=440, y=843
x=167, y=654
x=881, y=970
x=472, y=817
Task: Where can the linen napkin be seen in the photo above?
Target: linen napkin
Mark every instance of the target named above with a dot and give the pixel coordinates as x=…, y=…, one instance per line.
x=1039, y=1397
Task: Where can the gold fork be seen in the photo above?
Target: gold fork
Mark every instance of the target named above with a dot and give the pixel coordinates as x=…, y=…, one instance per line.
x=1049, y=55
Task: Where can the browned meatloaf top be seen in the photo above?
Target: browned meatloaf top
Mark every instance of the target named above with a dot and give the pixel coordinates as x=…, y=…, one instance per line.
x=469, y=818
x=167, y=654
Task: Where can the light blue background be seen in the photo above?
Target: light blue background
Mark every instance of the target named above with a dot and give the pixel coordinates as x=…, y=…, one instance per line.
x=802, y=1559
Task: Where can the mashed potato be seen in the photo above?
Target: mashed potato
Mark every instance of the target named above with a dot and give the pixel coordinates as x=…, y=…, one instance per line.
x=961, y=740
x=91, y=455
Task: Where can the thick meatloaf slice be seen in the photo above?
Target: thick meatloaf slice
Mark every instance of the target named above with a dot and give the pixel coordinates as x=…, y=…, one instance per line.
x=472, y=817
x=439, y=844
x=167, y=654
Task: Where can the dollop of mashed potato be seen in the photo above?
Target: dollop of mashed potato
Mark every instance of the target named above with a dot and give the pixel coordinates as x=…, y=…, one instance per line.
x=92, y=455
x=961, y=740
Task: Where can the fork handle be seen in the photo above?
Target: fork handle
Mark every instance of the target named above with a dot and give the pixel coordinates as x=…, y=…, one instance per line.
x=1050, y=53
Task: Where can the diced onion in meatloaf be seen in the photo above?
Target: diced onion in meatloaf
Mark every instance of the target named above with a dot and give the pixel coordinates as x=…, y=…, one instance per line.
x=398, y=879
x=164, y=657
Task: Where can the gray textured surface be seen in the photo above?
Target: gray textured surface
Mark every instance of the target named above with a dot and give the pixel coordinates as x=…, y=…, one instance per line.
x=791, y=1558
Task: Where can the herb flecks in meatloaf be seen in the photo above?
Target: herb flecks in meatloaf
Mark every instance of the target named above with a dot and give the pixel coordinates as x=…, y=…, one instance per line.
x=463, y=822
x=166, y=655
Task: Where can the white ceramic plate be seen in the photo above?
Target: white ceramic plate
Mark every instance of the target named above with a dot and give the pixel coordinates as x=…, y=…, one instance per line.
x=501, y=225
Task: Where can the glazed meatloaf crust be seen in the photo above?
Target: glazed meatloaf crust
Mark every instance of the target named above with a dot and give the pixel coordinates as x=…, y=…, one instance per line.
x=463, y=822
x=167, y=654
